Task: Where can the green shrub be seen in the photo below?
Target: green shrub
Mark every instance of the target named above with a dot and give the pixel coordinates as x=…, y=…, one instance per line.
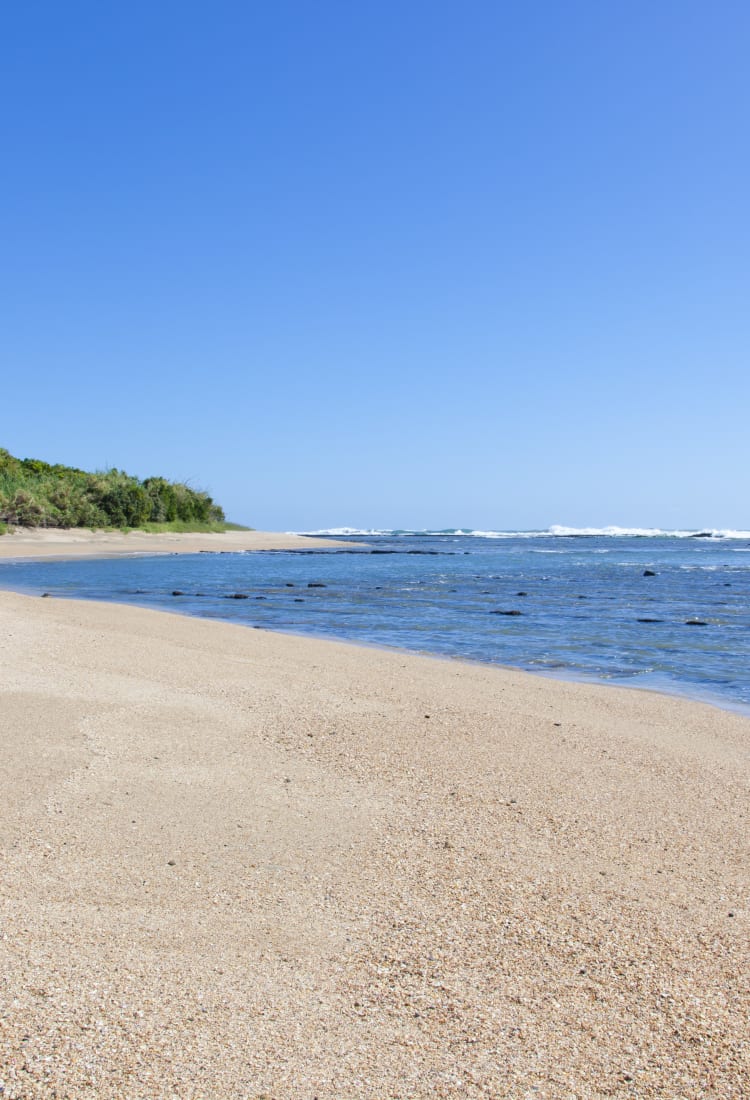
x=22, y=510
x=36, y=494
x=123, y=500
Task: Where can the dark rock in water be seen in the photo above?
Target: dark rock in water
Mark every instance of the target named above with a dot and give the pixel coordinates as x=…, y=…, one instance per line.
x=581, y=597
x=45, y=595
x=522, y=593
x=649, y=620
x=649, y=573
x=702, y=535
x=289, y=584
x=499, y=612
x=237, y=596
x=317, y=584
x=298, y=599
x=261, y=597
x=383, y=551
x=177, y=592
x=695, y=622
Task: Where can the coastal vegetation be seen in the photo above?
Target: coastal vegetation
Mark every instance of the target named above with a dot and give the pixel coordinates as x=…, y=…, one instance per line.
x=37, y=494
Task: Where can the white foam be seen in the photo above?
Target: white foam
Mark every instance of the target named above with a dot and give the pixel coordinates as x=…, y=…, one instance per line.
x=648, y=532
x=508, y=534
x=342, y=531
x=556, y=530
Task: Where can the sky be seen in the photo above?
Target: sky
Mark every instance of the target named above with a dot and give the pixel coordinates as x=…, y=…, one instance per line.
x=395, y=264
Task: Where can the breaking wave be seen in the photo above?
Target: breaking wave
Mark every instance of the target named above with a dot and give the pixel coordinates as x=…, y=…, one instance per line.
x=647, y=532
x=555, y=531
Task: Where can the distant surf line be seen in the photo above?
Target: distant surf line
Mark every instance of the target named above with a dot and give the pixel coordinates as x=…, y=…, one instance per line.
x=555, y=531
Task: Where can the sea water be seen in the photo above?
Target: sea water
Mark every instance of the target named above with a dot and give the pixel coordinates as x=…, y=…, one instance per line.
x=669, y=611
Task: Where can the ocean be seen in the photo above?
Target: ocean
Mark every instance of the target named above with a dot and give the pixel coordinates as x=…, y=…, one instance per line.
x=668, y=611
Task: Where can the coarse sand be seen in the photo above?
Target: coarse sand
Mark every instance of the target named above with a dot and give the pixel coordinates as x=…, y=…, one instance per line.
x=244, y=864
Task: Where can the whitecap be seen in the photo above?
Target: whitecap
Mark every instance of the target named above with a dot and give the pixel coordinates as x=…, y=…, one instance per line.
x=340, y=531
x=647, y=532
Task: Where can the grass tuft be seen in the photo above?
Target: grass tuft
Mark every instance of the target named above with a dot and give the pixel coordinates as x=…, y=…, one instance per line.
x=183, y=527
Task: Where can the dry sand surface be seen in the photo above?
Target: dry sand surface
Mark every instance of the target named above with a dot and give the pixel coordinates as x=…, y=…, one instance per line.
x=78, y=543
x=239, y=864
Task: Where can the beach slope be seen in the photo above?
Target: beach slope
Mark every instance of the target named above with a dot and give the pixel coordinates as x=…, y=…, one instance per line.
x=35, y=542
x=239, y=864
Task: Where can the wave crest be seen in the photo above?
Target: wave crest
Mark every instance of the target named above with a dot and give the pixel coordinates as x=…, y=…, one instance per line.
x=555, y=531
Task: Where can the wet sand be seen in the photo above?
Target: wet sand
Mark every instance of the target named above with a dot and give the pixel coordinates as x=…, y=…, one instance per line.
x=242, y=864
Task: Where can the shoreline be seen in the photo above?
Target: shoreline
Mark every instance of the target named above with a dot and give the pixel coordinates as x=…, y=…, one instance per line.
x=239, y=862
x=58, y=543
x=559, y=676
x=703, y=698
x=55, y=544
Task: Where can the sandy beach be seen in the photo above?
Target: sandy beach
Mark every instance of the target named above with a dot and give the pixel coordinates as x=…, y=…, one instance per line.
x=242, y=864
x=83, y=543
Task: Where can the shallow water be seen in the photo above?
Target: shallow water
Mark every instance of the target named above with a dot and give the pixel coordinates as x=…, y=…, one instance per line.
x=581, y=606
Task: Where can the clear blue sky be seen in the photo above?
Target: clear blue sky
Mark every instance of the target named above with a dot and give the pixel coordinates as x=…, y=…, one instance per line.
x=384, y=264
